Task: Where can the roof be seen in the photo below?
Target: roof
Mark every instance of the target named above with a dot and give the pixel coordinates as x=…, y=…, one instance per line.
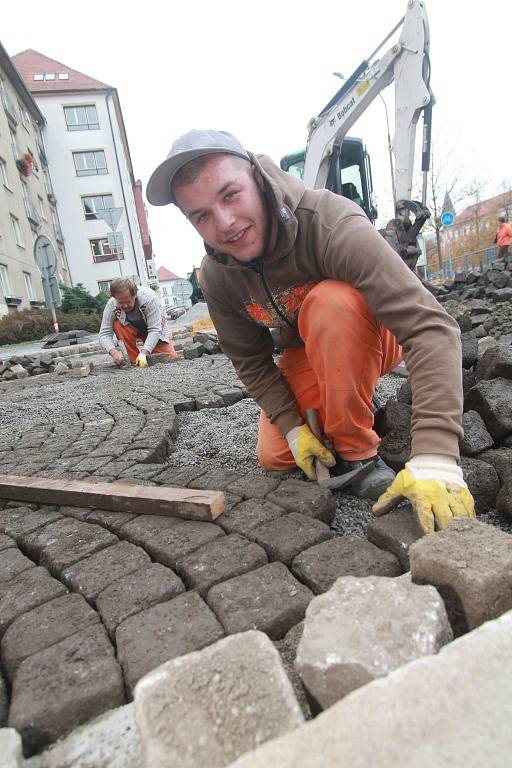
x=30, y=63
x=489, y=207
x=165, y=274
x=18, y=82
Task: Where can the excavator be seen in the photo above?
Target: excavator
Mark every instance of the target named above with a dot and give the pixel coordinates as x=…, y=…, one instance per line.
x=334, y=161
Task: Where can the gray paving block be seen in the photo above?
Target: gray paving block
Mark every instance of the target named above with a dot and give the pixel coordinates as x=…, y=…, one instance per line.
x=247, y=515
x=243, y=676
x=163, y=632
x=283, y=538
x=362, y=629
x=179, y=476
x=307, y=498
x=6, y=542
x=219, y=560
x=269, y=599
x=215, y=480
x=65, y=542
x=320, y=566
x=95, y=573
x=287, y=648
x=19, y=520
x=12, y=563
x=395, y=532
x=136, y=592
x=31, y=588
x=44, y=626
x=113, y=521
x=253, y=486
x=470, y=564
x=168, y=539
x=63, y=686
x=412, y=704
x=79, y=513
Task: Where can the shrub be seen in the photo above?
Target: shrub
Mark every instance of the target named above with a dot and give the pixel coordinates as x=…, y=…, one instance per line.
x=33, y=324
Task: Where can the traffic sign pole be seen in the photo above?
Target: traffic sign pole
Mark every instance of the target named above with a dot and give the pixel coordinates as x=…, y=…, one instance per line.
x=46, y=260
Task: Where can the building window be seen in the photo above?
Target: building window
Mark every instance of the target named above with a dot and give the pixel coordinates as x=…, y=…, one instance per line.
x=14, y=145
x=83, y=118
x=63, y=76
x=164, y=291
x=101, y=251
x=5, y=285
x=41, y=207
x=28, y=286
x=49, y=76
x=25, y=119
x=90, y=163
x=38, y=76
x=17, y=231
x=94, y=203
x=3, y=173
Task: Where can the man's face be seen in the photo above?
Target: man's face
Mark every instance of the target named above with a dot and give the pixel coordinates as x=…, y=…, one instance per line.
x=225, y=205
x=125, y=300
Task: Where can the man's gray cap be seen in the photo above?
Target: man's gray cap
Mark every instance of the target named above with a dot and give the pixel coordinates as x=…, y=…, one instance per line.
x=188, y=147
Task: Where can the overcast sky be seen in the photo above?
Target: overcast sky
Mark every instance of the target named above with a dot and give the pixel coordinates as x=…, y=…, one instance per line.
x=262, y=69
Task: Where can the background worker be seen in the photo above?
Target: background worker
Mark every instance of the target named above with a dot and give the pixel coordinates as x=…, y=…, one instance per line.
x=134, y=313
x=503, y=237
x=310, y=262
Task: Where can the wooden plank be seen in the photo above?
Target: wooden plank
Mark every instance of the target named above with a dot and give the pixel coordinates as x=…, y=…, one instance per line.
x=186, y=503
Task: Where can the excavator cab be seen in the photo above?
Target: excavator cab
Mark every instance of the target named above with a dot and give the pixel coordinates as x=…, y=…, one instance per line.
x=349, y=173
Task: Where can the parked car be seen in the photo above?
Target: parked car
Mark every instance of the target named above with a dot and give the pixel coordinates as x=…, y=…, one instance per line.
x=174, y=312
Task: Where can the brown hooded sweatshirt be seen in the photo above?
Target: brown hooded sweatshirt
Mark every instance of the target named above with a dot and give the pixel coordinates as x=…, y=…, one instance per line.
x=321, y=235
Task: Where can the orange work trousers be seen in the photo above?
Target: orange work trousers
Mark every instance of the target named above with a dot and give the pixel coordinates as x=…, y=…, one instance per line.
x=345, y=353
x=128, y=334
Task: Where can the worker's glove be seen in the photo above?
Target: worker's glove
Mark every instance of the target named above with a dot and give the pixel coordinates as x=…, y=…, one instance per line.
x=141, y=360
x=434, y=486
x=306, y=448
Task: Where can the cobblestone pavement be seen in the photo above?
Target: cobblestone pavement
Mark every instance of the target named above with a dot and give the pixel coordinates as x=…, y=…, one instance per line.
x=91, y=600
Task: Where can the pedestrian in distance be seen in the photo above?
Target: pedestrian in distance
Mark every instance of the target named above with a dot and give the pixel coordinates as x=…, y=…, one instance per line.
x=503, y=237
x=133, y=313
x=309, y=263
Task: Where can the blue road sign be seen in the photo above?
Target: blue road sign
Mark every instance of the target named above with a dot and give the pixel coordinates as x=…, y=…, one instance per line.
x=447, y=218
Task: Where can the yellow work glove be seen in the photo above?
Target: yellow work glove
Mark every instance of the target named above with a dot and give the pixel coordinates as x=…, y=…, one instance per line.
x=435, y=488
x=141, y=360
x=306, y=448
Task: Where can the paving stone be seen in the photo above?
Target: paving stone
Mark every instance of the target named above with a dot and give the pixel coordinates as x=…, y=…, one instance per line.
x=253, y=486
x=247, y=515
x=501, y=460
x=395, y=449
x=114, y=521
x=470, y=564
x=163, y=632
x=397, y=417
x=362, y=629
x=219, y=560
x=168, y=539
x=320, y=566
x=412, y=704
x=109, y=741
x=90, y=576
x=287, y=648
x=283, y=538
x=47, y=703
x=209, y=400
x=493, y=401
x=229, y=395
x=395, y=532
x=12, y=563
x=18, y=520
x=44, y=626
x=31, y=588
x=483, y=482
x=504, y=499
x=469, y=344
x=6, y=542
x=306, y=498
x=142, y=471
x=269, y=599
x=179, y=476
x=496, y=362
x=79, y=513
x=215, y=480
x=476, y=437
x=136, y=592
x=245, y=674
x=65, y=542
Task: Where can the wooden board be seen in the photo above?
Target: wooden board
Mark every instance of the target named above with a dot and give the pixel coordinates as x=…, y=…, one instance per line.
x=186, y=503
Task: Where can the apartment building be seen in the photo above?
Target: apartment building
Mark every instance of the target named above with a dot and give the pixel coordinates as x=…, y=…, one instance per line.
x=89, y=156
x=27, y=201
x=166, y=280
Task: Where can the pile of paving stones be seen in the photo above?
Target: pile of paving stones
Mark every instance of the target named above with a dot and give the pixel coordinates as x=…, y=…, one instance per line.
x=196, y=345
x=23, y=366
x=65, y=339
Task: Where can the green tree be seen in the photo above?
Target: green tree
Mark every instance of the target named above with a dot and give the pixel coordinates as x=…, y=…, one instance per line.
x=78, y=299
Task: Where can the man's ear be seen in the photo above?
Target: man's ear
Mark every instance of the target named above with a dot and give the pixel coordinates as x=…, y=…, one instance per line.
x=258, y=178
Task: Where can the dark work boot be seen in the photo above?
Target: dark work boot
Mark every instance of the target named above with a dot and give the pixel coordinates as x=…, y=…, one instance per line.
x=375, y=482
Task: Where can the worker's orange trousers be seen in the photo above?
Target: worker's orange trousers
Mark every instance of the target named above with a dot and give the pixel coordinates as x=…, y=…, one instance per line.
x=345, y=352
x=128, y=334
